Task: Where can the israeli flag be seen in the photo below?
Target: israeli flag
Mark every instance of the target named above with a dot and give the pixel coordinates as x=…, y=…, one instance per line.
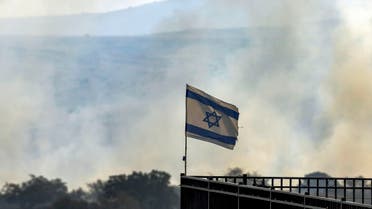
x=210, y=119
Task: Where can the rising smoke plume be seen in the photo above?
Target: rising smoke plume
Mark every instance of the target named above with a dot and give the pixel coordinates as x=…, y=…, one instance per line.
x=297, y=71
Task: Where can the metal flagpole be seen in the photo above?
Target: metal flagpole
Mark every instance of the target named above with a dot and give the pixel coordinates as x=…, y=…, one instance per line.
x=185, y=156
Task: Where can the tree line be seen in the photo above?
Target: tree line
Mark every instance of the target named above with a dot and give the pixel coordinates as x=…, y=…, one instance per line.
x=135, y=191
x=138, y=190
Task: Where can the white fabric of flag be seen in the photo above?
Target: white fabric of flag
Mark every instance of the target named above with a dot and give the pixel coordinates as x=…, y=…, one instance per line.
x=210, y=119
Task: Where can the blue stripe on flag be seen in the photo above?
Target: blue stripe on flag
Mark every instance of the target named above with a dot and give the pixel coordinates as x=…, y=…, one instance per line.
x=209, y=134
x=206, y=101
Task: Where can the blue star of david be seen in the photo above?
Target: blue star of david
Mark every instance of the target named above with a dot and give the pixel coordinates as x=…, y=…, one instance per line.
x=212, y=119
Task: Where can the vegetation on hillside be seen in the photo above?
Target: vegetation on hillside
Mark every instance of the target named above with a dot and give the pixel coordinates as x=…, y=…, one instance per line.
x=135, y=191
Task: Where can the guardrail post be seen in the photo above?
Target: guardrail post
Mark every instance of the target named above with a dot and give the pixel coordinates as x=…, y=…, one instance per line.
x=336, y=189
x=353, y=190
x=281, y=183
x=209, y=182
x=238, y=197
x=245, y=182
x=317, y=187
x=371, y=190
x=363, y=191
x=271, y=200
x=345, y=188
x=308, y=185
x=342, y=201
x=306, y=193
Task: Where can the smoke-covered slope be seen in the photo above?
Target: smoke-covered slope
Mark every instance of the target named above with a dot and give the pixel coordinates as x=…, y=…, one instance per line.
x=101, y=105
x=132, y=21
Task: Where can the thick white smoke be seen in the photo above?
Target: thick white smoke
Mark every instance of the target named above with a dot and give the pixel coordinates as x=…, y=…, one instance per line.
x=299, y=73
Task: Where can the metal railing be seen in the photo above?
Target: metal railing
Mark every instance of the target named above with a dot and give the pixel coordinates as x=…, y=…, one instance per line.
x=347, y=189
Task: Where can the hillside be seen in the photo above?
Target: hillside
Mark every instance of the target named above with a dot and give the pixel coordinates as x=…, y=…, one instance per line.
x=132, y=21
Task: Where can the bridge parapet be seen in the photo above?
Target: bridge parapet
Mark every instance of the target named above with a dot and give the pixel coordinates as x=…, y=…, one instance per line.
x=349, y=189
x=226, y=192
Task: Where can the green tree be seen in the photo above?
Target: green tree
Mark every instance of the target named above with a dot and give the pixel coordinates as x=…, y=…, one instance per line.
x=151, y=190
x=71, y=203
x=38, y=192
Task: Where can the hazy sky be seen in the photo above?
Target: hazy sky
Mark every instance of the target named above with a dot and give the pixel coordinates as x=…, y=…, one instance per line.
x=24, y=8
x=82, y=109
